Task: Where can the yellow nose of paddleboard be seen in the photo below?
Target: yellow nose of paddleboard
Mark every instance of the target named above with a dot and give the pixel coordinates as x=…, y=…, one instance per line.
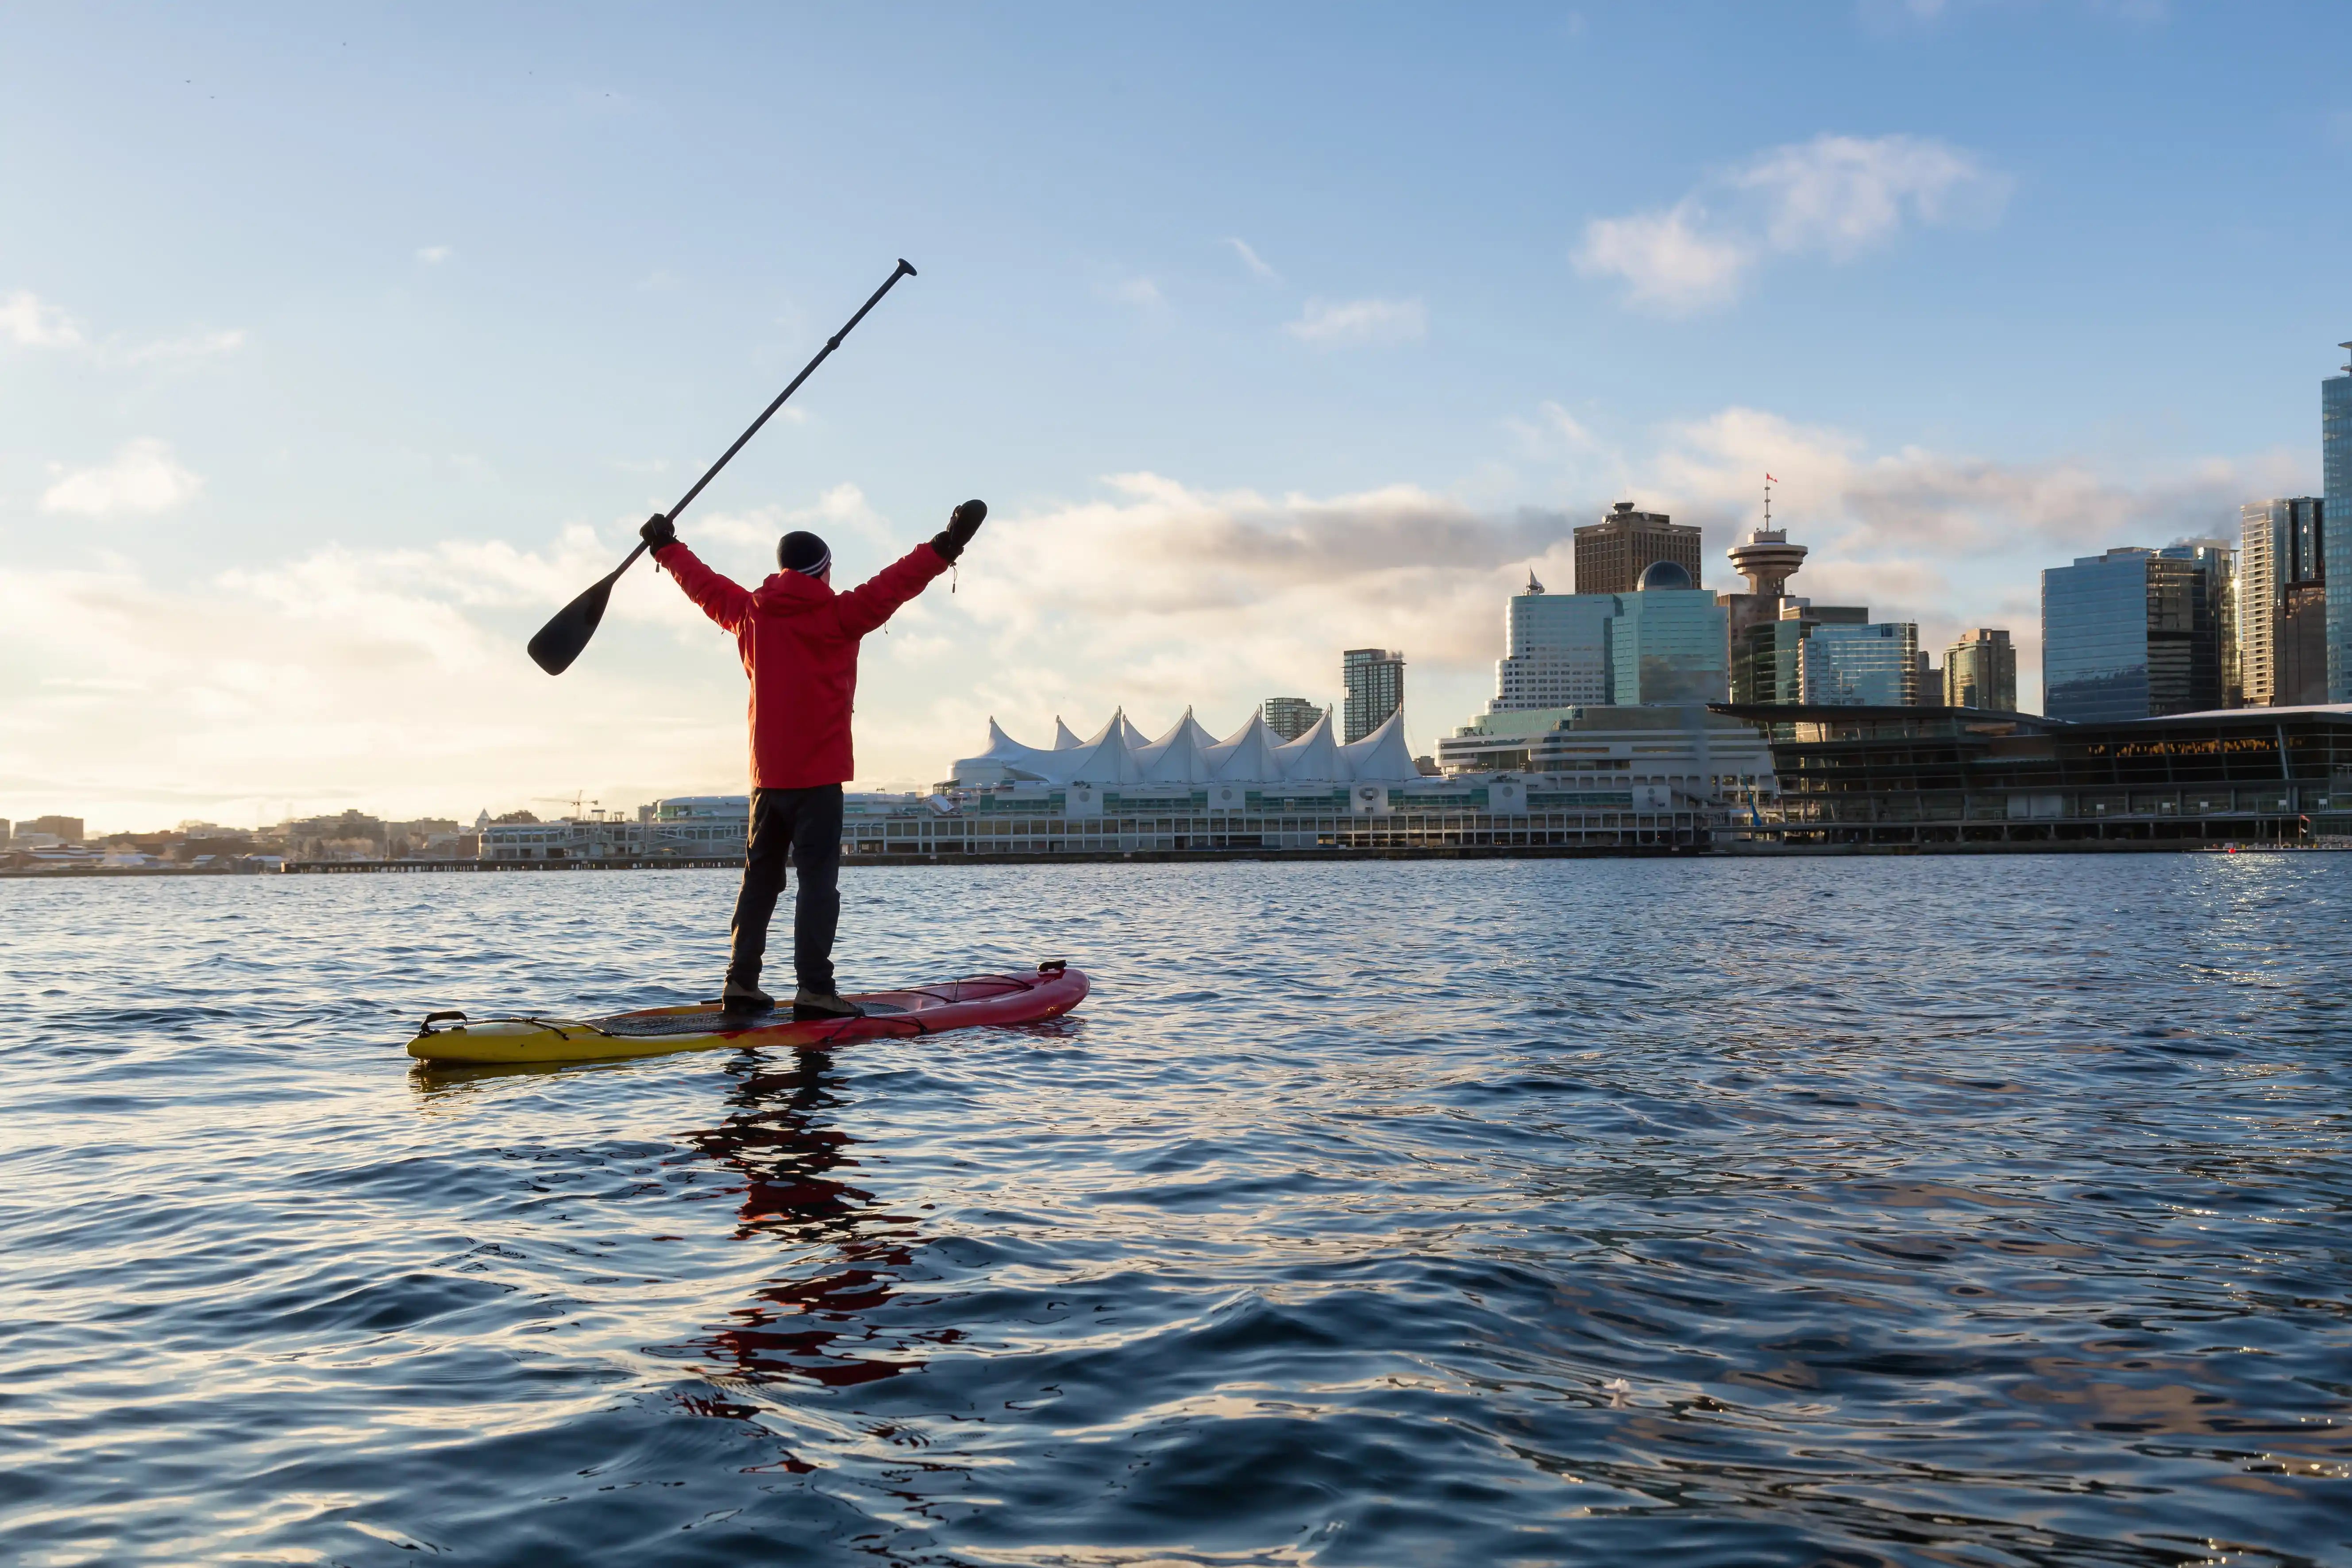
x=514, y=1040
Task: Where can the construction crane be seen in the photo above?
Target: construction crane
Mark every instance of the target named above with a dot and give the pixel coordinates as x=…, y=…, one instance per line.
x=575, y=800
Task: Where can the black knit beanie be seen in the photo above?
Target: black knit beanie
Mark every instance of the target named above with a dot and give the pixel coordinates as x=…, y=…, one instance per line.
x=803, y=553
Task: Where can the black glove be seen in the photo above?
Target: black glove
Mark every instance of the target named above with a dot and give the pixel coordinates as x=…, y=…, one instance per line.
x=963, y=523
x=657, y=532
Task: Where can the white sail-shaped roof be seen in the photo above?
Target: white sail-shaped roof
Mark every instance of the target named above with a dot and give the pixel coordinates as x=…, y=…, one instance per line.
x=1314, y=756
x=1382, y=756
x=1107, y=759
x=1181, y=756
x=1118, y=754
x=1249, y=755
x=1004, y=752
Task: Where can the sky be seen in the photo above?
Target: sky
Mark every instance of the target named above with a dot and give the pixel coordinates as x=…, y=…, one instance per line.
x=338, y=346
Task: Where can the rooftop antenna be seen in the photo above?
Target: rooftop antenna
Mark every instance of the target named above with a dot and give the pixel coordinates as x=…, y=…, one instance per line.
x=1768, y=482
x=2348, y=354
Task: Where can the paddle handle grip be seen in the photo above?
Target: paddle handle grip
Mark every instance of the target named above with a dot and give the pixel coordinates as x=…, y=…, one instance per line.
x=905, y=270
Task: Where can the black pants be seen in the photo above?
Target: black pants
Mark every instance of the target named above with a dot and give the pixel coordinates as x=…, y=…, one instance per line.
x=808, y=823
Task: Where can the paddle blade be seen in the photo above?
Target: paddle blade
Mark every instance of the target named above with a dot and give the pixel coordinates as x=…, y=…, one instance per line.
x=560, y=641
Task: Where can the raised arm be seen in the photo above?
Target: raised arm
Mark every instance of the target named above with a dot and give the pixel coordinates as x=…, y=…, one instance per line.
x=869, y=605
x=721, y=598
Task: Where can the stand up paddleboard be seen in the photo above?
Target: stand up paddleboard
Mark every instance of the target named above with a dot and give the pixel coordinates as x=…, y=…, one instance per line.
x=453, y=1038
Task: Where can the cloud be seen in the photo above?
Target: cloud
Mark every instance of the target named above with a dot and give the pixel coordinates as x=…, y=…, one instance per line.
x=1352, y=323
x=1669, y=265
x=142, y=478
x=29, y=321
x=1838, y=196
x=842, y=513
x=1156, y=594
x=30, y=324
x=1956, y=506
x=393, y=679
x=195, y=346
x=434, y=254
x=1250, y=259
x=1947, y=540
x=1553, y=433
x=1141, y=292
x=390, y=680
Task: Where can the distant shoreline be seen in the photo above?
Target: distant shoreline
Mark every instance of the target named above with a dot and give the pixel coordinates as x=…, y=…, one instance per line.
x=1741, y=851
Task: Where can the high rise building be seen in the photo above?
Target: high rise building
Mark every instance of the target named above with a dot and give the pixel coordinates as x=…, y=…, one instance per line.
x=2134, y=634
x=1875, y=665
x=1667, y=641
x=1980, y=670
x=1767, y=662
x=2335, y=487
x=1291, y=717
x=2302, y=645
x=2282, y=601
x=1557, y=650
x=1374, y=680
x=1927, y=688
x=1611, y=554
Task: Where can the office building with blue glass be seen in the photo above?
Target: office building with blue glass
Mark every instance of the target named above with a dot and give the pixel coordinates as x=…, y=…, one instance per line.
x=2335, y=474
x=1667, y=641
x=1661, y=643
x=1875, y=664
x=2134, y=634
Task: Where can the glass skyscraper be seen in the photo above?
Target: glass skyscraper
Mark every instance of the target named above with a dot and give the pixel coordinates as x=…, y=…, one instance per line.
x=1980, y=671
x=2335, y=476
x=1875, y=665
x=1666, y=642
x=1859, y=662
x=2133, y=633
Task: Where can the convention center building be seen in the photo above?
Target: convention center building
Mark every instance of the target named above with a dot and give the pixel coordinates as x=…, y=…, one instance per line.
x=1960, y=777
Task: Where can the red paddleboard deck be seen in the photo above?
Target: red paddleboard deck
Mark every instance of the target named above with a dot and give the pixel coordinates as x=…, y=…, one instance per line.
x=453, y=1038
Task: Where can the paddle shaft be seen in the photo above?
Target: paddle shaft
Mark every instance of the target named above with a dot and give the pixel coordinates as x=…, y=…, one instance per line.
x=559, y=642
x=808, y=369
x=768, y=412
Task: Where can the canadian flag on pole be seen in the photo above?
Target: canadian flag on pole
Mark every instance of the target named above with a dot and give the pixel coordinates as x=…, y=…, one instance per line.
x=1770, y=481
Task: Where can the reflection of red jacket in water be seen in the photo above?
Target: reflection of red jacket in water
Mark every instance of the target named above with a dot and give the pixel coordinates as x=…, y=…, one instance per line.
x=799, y=640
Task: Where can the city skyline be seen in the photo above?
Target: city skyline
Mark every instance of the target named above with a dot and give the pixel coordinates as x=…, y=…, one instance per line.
x=1357, y=362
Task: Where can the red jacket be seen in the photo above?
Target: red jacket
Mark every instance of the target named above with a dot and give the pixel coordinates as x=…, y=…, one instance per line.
x=799, y=640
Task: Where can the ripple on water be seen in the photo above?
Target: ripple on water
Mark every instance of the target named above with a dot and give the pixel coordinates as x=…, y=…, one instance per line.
x=1819, y=1212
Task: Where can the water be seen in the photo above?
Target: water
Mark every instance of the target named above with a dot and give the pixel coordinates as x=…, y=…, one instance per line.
x=1843, y=1212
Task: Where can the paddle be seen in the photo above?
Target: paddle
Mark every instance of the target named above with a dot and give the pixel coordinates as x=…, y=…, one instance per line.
x=560, y=641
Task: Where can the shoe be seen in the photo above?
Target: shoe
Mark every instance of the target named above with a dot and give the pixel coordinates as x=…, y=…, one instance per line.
x=737, y=998
x=808, y=1005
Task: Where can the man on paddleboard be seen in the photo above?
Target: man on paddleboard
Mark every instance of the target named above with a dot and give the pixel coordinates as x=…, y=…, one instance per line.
x=798, y=643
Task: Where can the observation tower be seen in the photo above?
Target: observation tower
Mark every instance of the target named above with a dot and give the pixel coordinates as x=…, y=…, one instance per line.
x=1767, y=560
